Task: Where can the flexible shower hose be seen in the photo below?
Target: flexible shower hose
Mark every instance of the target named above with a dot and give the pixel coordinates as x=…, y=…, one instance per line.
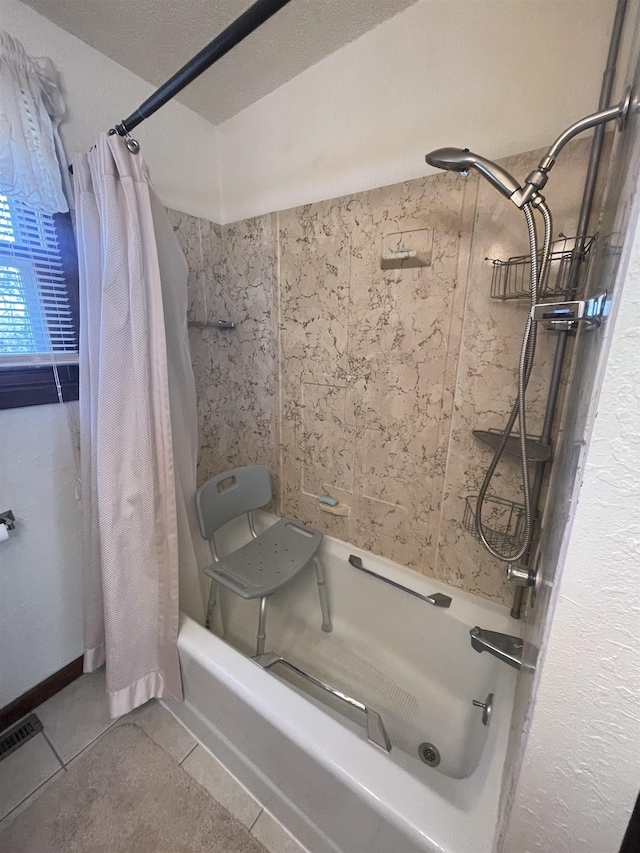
x=525, y=365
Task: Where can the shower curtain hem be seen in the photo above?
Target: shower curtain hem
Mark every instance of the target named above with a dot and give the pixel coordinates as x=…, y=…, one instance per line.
x=93, y=658
x=150, y=686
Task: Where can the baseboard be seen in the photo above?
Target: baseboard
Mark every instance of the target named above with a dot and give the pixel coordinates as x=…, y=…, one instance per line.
x=30, y=700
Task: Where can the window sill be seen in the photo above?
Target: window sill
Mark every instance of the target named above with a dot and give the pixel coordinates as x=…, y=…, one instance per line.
x=35, y=386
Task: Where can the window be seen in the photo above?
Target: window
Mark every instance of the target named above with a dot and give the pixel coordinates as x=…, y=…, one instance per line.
x=38, y=307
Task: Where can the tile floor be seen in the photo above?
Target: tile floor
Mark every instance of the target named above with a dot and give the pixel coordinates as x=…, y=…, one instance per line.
x=74, y=720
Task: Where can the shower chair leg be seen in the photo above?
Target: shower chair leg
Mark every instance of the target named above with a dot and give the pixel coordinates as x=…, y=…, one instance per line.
x=262, y=626
x=327, y=625
x=211, y=606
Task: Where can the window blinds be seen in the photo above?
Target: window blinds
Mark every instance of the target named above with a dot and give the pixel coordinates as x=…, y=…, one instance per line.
x=36, y=319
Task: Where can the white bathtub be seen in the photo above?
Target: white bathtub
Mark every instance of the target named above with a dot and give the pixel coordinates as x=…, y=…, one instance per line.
x=314, y=769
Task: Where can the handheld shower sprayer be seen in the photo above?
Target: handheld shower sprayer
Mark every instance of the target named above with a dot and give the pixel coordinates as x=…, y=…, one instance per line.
x=461, y=160
x=526, y=197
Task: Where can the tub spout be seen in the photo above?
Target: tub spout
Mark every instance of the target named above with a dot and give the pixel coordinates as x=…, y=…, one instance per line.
x=505, y=647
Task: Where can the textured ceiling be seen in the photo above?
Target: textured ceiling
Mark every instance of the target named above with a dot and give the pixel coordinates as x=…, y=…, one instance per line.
x=153, y=38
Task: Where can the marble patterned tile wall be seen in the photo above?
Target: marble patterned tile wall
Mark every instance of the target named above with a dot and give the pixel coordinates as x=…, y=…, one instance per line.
x=386, y=373
x=365, y=355
x=364, y=383
x=231, y=277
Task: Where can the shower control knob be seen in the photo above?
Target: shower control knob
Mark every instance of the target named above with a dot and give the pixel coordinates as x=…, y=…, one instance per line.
x=521, y=576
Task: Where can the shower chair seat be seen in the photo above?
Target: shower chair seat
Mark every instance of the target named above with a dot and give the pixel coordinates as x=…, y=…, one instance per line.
x=270, y=559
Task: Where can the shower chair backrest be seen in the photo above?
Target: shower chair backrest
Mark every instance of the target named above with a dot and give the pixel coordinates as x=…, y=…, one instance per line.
x=230, y=494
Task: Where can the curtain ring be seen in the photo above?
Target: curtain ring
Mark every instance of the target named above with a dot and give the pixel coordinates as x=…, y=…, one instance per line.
x=132, y=144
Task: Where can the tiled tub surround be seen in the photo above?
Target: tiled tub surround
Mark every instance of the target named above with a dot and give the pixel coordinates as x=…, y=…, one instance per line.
x=367, y=383
x=364, y=357
x=231, y=276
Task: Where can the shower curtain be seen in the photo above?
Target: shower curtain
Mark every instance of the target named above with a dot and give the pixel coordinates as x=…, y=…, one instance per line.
x=138, y=427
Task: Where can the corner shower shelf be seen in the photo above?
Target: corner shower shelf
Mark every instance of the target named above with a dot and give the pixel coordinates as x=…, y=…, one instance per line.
x=503, y=522
x=511, y=277
x=537, y=452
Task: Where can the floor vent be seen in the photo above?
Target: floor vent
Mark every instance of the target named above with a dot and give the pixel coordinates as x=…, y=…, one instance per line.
x=19, y=734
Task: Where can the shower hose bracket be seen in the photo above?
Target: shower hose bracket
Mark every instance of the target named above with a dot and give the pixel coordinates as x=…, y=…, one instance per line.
x=567, y=316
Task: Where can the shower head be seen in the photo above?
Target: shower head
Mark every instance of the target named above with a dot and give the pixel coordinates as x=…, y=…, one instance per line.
x=461, y=160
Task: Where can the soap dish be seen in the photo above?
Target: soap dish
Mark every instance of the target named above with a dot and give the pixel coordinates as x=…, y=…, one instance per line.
x=338, y=509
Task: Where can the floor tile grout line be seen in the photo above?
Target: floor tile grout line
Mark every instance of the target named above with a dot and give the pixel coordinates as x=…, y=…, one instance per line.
x=217, y=760
x=54, y=750
x=9, y=813
x=256, y=820
x=91, y=742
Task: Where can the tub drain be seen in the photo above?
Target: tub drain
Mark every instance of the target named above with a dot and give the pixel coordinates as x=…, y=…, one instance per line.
x=429, y=754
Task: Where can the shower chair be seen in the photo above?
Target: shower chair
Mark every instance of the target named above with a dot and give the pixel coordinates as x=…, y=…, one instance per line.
x=270, y=559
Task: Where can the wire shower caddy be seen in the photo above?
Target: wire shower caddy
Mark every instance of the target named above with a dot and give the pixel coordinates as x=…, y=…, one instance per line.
x=511, y=278
x=503, y=522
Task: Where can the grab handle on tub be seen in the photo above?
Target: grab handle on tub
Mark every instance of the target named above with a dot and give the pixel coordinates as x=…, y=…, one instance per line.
x=376, y=732
x=438, y=599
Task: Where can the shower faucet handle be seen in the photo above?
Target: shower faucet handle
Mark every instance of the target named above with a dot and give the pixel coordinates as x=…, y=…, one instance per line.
x=521, y=575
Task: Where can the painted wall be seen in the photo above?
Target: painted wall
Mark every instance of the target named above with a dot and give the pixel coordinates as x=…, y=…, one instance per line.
x=178, y=145
x=40, y=579
x=40, y=568
x=442, y=72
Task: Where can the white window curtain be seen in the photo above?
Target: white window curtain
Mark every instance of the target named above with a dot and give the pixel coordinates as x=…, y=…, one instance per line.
x=32, y=160
x=138, y=484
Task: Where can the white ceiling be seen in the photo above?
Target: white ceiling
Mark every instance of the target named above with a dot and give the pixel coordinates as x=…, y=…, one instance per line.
x=153, y=38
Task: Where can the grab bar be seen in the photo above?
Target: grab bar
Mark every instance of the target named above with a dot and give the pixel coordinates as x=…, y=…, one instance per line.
x=438, y=599
x=223, y=325
x=376, y=732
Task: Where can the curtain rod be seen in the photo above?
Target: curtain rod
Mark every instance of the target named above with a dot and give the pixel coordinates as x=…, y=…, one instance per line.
x=243, y=26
